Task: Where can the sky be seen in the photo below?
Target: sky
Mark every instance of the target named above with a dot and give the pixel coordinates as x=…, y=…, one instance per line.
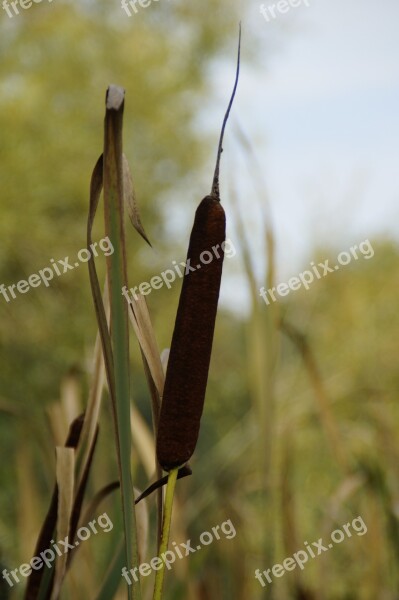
x=321, y=108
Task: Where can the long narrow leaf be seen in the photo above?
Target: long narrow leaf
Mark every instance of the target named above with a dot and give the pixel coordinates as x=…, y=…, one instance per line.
x=117, y=279
x=65, y=481
x=40, y=581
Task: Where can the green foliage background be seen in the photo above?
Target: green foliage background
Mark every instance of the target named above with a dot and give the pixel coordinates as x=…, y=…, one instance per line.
x=56, y=61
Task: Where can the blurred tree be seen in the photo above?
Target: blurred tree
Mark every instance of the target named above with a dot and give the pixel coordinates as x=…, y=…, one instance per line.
x=51, y=110
x=56, y=61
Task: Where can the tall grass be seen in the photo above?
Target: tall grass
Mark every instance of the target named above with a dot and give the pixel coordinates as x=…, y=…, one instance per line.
x=302, y=460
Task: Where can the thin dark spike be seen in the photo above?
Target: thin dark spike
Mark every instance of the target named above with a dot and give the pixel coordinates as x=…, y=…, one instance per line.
x=184, y=471
x=215, y=184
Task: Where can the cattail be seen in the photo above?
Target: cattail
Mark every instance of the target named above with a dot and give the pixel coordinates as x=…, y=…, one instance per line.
x=191, y=347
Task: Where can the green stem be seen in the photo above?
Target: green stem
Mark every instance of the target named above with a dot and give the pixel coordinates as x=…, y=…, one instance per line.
x=170, y=490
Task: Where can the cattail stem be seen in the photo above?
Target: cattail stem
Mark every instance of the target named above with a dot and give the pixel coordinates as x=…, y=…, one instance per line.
x=215, y=183
x=167, y=515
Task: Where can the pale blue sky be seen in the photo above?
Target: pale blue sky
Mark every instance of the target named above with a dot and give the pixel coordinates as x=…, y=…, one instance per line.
x=322, y=110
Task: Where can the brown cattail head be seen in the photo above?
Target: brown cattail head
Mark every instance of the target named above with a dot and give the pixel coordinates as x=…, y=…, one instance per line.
x=190, y=353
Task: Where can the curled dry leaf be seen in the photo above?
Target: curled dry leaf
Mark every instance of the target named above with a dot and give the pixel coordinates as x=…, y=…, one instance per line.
x=141, y=322
x=65, y=480
x=130, y=200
